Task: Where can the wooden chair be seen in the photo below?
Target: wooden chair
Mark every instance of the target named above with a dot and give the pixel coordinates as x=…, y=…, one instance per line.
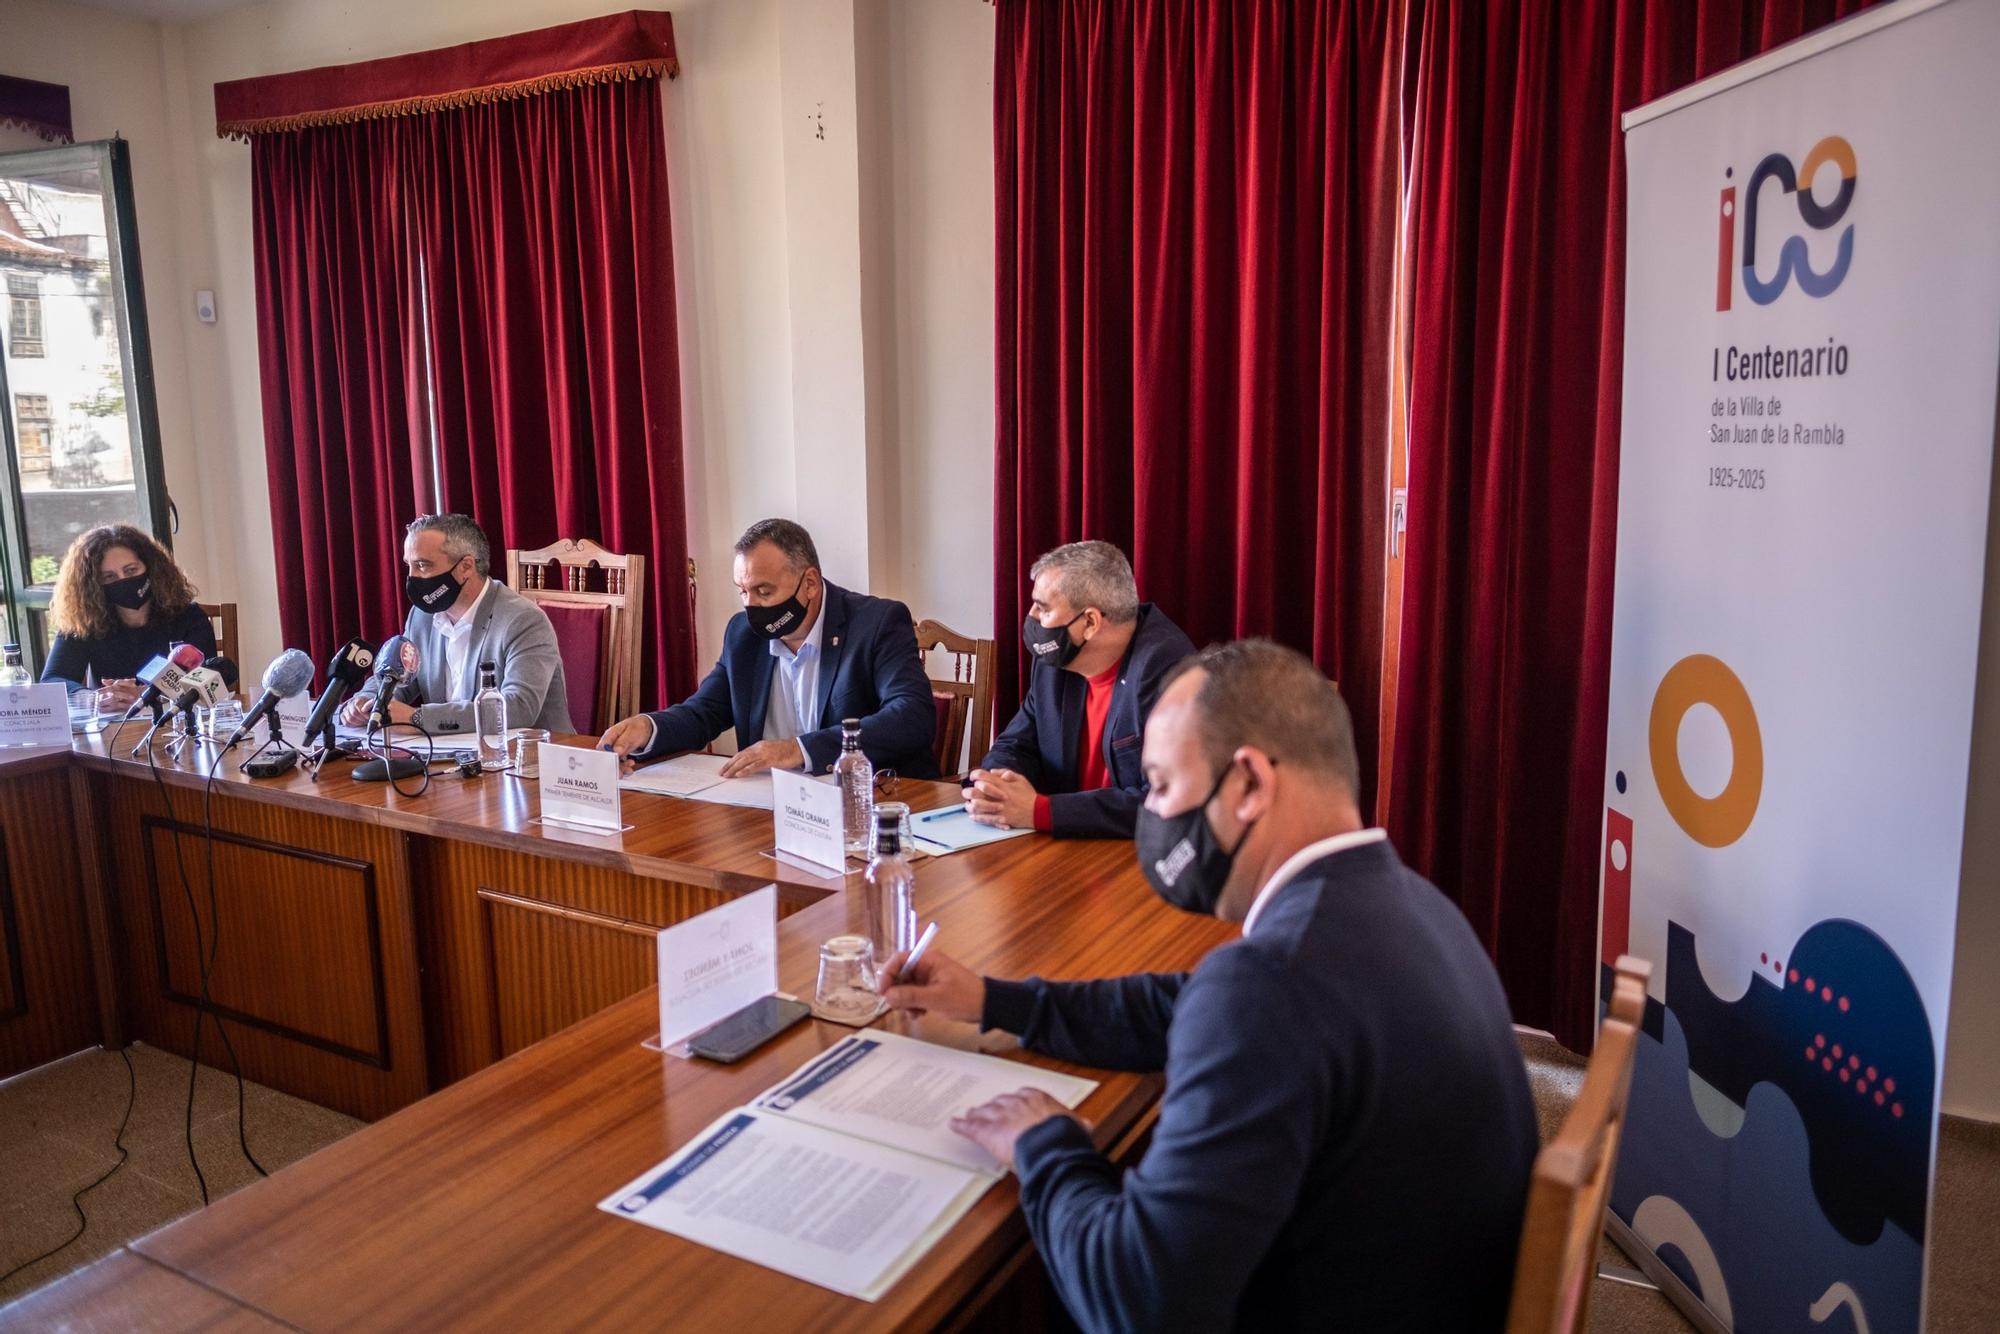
x=578, y=582
x=1572, y=1182
x=224, y=616
x=965, y=721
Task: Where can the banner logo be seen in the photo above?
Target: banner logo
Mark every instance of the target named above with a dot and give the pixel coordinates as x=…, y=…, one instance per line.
x=1717, y=821
x=1792, y=260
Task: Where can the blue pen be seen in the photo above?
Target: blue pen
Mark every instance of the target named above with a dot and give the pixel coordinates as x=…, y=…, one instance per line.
x=944, y=814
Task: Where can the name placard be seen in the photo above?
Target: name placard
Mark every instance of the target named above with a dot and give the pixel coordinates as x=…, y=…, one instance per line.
x=34, y=715
x=580, y=786
x=809, y=820
x=713, y=965
x=292, y=715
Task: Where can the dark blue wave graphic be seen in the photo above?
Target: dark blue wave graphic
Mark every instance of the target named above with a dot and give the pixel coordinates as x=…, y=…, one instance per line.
x=1844, y=1035
x=1756, y=1220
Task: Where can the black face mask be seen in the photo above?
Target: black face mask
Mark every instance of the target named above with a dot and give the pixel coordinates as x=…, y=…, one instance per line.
x=1180, y=856
x=1050, y=645
x=131, y=594
x=433, y=593
x=779, y=618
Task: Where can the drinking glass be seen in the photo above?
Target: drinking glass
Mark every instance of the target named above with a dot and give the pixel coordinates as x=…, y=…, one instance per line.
x=846, y=990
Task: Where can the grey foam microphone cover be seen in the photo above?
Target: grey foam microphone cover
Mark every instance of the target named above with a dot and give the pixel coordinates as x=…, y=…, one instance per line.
x=289, y=673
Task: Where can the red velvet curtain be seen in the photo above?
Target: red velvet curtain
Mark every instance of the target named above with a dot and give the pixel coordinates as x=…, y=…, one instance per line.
x=1516, y=250
x=554, y=353
x=1195, y=221
x=470, y=242
x=338, y=344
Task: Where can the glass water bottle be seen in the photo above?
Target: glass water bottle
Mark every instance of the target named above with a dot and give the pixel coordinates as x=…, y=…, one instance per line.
x=890, y=900
x=489, y=718
x=856, y=776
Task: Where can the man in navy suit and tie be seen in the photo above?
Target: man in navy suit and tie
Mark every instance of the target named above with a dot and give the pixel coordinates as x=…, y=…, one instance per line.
x=1068, y=764
x=801, y=655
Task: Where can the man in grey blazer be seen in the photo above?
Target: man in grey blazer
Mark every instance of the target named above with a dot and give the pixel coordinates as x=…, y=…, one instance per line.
x=459, y=618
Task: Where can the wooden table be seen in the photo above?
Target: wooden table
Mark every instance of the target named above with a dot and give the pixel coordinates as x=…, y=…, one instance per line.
x=374, y=946
x=476, y=1205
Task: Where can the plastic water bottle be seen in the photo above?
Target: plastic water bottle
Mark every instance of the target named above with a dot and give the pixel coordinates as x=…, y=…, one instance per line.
x=890, y=902
x=489, y=717
x=13, y=673
x=856, y=777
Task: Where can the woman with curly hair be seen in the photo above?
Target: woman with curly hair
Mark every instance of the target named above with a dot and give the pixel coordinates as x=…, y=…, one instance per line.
x=119, y=601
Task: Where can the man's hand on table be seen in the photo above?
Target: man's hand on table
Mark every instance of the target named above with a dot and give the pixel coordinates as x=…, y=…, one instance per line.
x=997, y=1125
x=765, y=755
x=625, y=736
x=1001, y=798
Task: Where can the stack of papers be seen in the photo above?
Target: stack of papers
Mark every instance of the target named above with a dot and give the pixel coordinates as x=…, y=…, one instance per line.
x=700, y=777
x=845, y=1174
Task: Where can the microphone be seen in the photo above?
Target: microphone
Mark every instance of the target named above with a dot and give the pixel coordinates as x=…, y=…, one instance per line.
x=395, y=663
x=164, y=676
x=198, y=687
x=348, y=669
x=289, y=673
x=392, y=669
x=226, y=668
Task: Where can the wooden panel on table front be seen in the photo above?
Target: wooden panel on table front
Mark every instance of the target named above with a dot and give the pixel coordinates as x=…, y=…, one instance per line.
x=316, y=966
x=328, y=993
x=47, y=1005
x=517, y=947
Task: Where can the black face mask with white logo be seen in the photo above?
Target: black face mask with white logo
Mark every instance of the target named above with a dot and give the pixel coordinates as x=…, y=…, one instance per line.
x=779, y=619
x=1050, y=645
x=1181, y=857
x=433, y=593
x=131, y=594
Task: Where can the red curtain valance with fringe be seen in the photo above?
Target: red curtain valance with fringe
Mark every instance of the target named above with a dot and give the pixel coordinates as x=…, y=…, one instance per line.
x=39, y=108
x=636, y=44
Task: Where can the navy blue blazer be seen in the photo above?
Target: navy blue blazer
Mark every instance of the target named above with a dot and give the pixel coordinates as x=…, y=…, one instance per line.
x=1041, y=742
x=1346, y=1135
x=868, y=669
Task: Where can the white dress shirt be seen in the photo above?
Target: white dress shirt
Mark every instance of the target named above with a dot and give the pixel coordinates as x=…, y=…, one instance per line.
x=1303, y=858
x=457, y=635
x=793, y=706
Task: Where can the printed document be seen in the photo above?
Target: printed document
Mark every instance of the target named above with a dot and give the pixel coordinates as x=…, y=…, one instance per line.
x=900, y=1091
x=845, y=1174
x=700, y=777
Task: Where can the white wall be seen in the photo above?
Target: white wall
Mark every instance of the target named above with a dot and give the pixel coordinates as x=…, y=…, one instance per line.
x=117, y=81
x=835, y=307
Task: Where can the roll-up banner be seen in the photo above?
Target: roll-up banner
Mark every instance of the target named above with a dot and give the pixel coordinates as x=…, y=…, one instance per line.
x=1812, y=347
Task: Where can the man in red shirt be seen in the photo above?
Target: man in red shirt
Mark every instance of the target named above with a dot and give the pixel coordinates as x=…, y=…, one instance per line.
x=1068, y=763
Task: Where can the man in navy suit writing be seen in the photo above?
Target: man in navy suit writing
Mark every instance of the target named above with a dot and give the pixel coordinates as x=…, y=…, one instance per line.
x=801, y=655
x=1346, y=1134
x=1068, y=764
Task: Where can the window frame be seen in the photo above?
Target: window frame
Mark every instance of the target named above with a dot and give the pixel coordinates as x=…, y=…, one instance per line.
x=26, y=603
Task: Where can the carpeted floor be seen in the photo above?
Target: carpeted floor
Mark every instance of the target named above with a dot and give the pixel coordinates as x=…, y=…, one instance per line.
x=57, y=1127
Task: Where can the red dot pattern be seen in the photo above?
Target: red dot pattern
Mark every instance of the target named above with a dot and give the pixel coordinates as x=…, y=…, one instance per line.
x=1835, y=1057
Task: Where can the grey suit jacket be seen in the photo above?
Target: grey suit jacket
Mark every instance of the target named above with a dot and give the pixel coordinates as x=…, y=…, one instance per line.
x=515, y=636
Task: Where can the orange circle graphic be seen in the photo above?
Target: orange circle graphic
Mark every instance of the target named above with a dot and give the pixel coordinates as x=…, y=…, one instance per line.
x=1720, y=820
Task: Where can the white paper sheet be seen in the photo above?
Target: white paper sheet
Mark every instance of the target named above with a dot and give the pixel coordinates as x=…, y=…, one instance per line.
x=839, y=1212
x=900, y=1091
x=952, y=829
x=699, y=778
